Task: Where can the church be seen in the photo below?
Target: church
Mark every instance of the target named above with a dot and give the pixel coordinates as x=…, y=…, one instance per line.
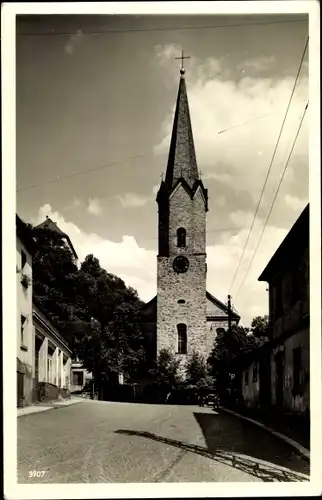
x=184, y=316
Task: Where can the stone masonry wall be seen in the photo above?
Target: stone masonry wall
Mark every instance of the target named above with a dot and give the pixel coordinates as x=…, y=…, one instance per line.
x=190, y=286
x=298, y=403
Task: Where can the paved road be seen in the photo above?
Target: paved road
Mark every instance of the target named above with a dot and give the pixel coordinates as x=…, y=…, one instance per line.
x=96, y=441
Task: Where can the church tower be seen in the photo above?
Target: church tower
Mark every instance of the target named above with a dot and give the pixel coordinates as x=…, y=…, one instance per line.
x=181, y=262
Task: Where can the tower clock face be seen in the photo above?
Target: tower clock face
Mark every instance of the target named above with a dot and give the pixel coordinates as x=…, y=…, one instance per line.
x=181, y=264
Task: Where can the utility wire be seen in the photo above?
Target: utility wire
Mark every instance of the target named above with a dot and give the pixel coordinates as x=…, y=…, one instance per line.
x=270, y=166
x=273, y=202
x=107, y=32
x=81, y=172
x=244, y=123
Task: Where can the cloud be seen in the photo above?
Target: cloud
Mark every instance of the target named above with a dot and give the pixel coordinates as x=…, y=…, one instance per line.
x=240, y=157
x=235, y=164
x=94, y=206
x=134, y=264
x=257, y=64
x=293, y=202
x=133, y=200
x=73, y=42
x=74, y=204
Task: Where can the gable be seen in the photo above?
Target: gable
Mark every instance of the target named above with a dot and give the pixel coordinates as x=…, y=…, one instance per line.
x=181, y=191
x=217, y=309
x=50, y=225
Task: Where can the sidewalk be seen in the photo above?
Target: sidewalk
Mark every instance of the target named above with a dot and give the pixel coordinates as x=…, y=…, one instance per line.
x=286, y=427
x=49, y=405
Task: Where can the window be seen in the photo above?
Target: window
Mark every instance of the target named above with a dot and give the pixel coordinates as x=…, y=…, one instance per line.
x=181, y=301
x=297, y=365
x=182, y=338
x=246, y=377
x=255, y=373
x=181, y=237
x=23, y=259
x=50, y=370
x=22, y=326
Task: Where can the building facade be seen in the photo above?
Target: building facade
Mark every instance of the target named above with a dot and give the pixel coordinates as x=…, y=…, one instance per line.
x=183, y=317
x=80, y=376
x=24, y=251
x=283, y=364
x=52, y=360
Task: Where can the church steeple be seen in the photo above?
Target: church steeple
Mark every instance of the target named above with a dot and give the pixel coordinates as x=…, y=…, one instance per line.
x=182, y=161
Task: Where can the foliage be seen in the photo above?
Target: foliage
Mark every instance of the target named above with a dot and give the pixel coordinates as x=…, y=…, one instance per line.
x=229, y=345
x=197, y=376
x=72, y=297
x=54, y=274
x=259, y=326
x=166, y=372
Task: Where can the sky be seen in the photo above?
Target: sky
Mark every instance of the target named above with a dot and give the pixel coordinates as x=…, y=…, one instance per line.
x=95, y=99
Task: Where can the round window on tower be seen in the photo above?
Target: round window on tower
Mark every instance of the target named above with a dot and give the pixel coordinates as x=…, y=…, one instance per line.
x=181, y=301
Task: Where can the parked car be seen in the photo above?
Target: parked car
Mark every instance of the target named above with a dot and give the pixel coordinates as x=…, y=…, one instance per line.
x=210, y=399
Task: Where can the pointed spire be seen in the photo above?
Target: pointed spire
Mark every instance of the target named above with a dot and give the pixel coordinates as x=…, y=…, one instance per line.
x=182, y=157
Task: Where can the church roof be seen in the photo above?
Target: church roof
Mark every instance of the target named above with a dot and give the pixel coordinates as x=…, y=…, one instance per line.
x=52, y=226
x=182, y=161
x=223, y=307
x=148, y=310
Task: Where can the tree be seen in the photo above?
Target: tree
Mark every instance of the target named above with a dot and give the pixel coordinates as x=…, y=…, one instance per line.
x=259, y=326
x=228, y=346
x=166, y=372
x=54, y=274
x=198, y=378
x=72, y=297
x=116, y=345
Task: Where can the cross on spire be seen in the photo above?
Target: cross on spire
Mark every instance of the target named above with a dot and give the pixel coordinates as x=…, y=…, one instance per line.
x=182, y=57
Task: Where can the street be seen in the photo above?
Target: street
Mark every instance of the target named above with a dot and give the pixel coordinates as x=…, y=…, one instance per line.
x=101, y=442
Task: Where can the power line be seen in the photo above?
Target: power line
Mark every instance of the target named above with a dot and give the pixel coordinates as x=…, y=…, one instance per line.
x=81, y=172
x=244, y=123
x=141, y=30
x=273, y=202
x=271, y=163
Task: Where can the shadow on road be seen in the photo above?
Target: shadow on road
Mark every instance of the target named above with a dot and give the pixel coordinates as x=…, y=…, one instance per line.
x=264, y=471
x=228, y=433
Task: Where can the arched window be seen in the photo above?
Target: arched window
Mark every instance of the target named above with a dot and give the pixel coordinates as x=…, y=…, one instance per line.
x=182, y=338
x=181, y=237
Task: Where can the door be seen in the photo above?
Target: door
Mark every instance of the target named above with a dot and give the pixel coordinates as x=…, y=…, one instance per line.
x=279, y=360
x=19, y=389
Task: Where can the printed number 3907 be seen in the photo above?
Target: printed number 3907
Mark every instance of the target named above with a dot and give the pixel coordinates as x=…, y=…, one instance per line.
x=37, y=473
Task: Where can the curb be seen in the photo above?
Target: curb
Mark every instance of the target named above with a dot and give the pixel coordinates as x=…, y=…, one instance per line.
x=302, y=451
x=33, y=412
x=41, y=409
